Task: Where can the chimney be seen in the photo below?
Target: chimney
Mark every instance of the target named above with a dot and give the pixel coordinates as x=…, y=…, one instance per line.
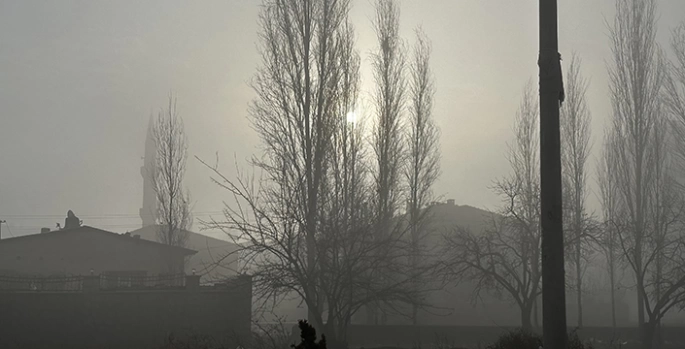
x=44, y=230
x=450, y=202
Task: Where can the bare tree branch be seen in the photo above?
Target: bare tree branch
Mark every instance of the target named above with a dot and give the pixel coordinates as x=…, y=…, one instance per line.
x=173, y=201
x=423, y=166
x=389, y=65
x=575, y=137
x=506, y=259
x=307, y=225
x=648, y=203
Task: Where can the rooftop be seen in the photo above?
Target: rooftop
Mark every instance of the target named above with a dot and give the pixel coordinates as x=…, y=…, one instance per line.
x=85, y=229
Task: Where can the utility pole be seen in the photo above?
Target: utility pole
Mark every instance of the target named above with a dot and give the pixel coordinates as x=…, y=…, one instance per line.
x=551, y=95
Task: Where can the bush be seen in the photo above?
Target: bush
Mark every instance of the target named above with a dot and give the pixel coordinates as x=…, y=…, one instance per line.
x=522, y=339
x=270, y=336
x=519, y=339
x=308, y=335
x=574, y=342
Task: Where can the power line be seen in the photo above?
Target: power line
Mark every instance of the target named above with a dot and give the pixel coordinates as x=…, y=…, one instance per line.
x=120, y=220
x=126, y=226
x=8, y=228
x=103, y=215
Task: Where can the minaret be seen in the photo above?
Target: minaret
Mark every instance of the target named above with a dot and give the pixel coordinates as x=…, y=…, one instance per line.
x=148, y=212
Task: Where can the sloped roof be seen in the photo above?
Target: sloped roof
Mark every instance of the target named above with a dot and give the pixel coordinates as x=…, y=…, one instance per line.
x=85, y=229
x=195, y=240
x=442, y=218
x=449, y=216
x=213, y=255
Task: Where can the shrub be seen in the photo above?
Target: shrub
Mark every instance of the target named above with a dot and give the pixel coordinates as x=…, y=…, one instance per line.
x=308, y=335
x=522, y=339
x=270, y=336
x=574, y=342
x=519, y=339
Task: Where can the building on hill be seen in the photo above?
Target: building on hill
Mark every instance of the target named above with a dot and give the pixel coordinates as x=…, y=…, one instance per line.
x=86, y=250
x=215, y=260
x=455, y=304
x=451, y=304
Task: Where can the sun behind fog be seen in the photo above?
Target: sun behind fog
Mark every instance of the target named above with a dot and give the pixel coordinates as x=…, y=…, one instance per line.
x=352, y=117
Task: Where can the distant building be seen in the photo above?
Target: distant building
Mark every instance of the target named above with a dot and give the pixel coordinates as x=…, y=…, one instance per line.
x=454, y=304
x=49, y=299
x=215, y=260
x=148, y=213
x=86, y=250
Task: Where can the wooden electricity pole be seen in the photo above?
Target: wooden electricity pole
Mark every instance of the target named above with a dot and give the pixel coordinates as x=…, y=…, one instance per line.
x=551, y=96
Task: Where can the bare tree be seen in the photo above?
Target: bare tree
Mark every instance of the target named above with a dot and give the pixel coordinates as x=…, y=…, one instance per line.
x=674, y=96
x=669, y=162
x=650, y=241
x=306, y=225
x=635, y=82
x=608, y=237
x=664, y=215
x=173, y=201
x=423, y=167
x=297, y=87
x=389, y=76
x=575, y=138
x=506, y=258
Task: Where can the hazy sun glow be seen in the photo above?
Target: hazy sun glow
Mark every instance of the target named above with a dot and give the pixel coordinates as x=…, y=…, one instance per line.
x=352, y=117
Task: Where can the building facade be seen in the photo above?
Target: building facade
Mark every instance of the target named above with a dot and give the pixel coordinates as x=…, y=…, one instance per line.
x=86, y=250
x=215, y=260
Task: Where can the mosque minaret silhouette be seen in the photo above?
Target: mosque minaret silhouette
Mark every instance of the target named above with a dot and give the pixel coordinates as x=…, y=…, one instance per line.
x=148, y=213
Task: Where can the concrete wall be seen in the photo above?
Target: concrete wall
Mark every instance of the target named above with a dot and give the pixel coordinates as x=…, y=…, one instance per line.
x=77, y=252
x=124, y=319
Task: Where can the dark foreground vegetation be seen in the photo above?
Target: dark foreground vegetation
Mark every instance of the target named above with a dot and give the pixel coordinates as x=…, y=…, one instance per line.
x=280, y=338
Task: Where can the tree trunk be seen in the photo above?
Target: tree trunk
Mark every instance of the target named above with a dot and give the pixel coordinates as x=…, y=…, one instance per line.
x=648, y=335
x=337, y=339
x=659, y=275
x=536, y=313
x=637, y=255
x=335, y=334
x=415, y=260
x=310, y=231
x=579, y=285
x=613, y=298
x=640, y=300
x=371, y=314
x=526, y=312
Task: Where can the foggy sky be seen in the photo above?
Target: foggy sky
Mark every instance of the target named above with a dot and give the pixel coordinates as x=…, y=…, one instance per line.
x=79, y=80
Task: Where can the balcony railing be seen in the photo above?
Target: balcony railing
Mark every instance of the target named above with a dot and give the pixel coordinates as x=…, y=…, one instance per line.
x=102, y=282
